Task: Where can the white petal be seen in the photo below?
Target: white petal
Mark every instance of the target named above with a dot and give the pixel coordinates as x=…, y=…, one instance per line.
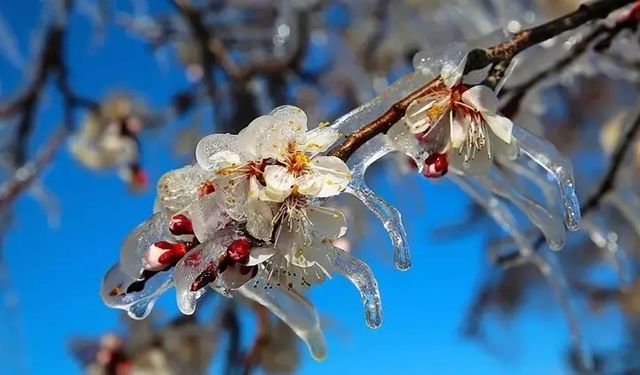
x=233, y=194
x=319, y=139
x=258, y=255
x=481, y=98
x=291, y=115
x=309, y=184
x=334, y=172
x=251, y=137
x=217, y=151
x=500, y=125
x=509, y=151
x=179, y=188
x=234, y=277
x=318, y=254
x=330, y=223
x=259, y=219
x=291, y=239
x=479, y=165
x=453, y=70
x=459, y=128
x=279, y=183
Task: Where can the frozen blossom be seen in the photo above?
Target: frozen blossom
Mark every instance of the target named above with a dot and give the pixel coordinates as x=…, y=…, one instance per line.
x=250, y=218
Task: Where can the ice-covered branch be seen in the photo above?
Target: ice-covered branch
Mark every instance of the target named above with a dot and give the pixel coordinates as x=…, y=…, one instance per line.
x=478, y=59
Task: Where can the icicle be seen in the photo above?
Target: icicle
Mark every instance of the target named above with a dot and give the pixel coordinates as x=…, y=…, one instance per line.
x=497, y=209
x=548, y=265
x=550, y=225
x=137, y=304
x=293, y=309
x=361, y=276
x=387, y=214
x=548, y=157
x=521, y=167
x=605, y=238
x=390, y=218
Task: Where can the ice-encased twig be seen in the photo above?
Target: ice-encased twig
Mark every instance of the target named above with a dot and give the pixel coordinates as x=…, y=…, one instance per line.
x=548, y=265
x=497, y=209
x=359, y=273
x=548, y=157
x=602, y=235
x=550, y=225
x=293, y=309
x=371, y=110
x=388, y=215
x=137, y=304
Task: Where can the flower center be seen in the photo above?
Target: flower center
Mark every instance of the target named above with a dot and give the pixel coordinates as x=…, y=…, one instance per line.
x=298, y=162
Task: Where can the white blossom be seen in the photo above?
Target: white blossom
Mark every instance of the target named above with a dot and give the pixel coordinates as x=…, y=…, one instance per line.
x=463, y=119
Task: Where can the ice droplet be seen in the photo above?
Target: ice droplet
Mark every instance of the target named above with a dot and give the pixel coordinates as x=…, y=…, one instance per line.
x=137, y=304
x=362, y=278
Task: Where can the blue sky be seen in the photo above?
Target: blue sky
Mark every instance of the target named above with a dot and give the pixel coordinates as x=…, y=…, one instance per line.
x=56, y=272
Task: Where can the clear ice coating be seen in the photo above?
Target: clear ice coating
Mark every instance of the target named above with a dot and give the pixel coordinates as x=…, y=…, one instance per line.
x=135, y=246
x=386, y=213
x=548, y=157
x=293, y=309
x=207, y=216
x=138, y=304
x=178, y=188
x=361, y=276
x=548, y=223
x=194, y=263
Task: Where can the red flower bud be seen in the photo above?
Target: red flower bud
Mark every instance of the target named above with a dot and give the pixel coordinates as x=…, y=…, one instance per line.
x=435, y=166
x=206, y=277
x=238, y=250
x=162, y=254
x=180, y=225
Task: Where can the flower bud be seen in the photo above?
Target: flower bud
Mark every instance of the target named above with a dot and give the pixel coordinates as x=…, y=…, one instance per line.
x=180, y=225
x=238, y=250
x=435, y=166
x=162, y=254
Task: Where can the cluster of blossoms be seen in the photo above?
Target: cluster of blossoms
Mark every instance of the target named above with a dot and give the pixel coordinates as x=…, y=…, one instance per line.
x=250, y=218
